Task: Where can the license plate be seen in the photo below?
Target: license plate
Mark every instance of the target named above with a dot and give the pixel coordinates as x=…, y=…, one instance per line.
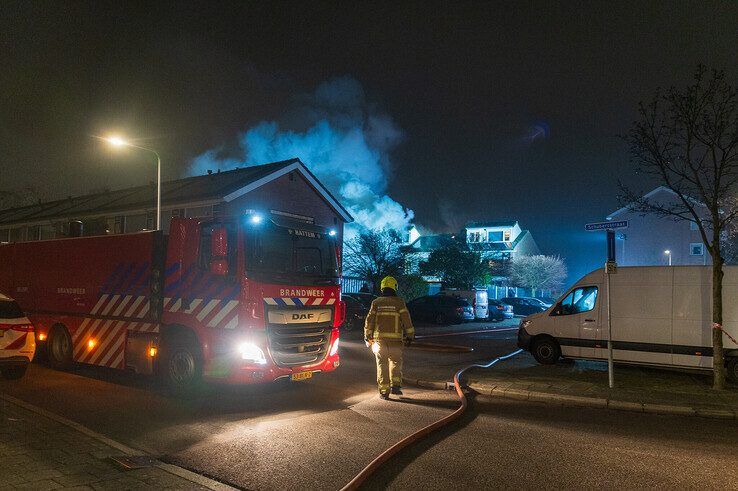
x=296, y=377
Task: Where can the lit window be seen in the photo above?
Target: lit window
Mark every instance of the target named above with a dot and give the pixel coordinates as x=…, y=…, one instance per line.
x=696, y=249
x=506, y=236
x=496, y=236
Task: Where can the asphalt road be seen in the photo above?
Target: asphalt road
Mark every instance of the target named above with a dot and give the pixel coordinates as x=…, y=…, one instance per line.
x=318, y=434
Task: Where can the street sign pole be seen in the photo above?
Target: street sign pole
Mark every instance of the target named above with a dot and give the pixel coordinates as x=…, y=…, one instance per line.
x=611, y=267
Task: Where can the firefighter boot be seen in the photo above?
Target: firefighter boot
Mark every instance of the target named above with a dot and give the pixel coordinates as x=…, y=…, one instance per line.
x=396, y=390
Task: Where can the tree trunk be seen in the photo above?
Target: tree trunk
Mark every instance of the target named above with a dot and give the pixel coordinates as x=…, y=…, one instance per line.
x=718, y=362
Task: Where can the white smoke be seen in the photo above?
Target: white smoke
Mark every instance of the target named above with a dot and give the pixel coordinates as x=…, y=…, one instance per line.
x=342, y=139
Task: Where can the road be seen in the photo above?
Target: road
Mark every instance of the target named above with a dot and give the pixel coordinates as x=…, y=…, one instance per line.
x=318, y=434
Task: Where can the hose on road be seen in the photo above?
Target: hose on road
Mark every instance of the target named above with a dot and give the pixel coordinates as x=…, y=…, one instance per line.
x=418, y=435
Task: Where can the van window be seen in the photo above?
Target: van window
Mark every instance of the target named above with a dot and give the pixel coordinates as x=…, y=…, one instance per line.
x=577, y=301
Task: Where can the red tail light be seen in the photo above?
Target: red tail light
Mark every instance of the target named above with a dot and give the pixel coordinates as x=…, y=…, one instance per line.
x=22, y=328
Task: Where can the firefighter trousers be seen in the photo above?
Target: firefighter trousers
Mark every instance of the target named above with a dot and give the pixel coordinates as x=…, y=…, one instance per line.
x=389, y=365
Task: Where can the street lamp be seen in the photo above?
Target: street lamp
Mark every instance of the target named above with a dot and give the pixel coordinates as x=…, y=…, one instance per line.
x=668, y=253
x=117, y=141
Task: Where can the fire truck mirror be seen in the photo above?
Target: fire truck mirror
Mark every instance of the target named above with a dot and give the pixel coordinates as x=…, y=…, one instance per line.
x=219, y=251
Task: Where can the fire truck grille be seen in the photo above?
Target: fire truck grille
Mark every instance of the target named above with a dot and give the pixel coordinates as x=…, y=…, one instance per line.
x=299, y=344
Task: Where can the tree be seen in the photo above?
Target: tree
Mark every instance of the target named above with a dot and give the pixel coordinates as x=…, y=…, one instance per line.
x=374, y=254
x=457, y=268
x=687, y=140
x=538, y=272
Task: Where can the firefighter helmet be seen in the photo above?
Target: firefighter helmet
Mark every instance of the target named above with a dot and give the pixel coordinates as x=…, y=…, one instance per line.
x=388, y=282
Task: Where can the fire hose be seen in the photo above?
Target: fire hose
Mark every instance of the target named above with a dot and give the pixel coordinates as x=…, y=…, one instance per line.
x=423, y=432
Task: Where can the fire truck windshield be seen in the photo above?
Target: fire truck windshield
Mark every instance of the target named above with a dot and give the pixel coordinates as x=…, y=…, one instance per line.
x=288, y=252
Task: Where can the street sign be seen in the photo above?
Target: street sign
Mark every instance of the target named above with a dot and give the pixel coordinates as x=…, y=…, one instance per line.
x=592, y=227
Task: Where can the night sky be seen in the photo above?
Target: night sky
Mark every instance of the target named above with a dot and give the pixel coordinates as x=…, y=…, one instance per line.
x=507, y=110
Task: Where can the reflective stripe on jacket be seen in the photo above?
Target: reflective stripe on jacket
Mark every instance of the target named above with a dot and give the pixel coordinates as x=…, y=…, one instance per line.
x=388, y=318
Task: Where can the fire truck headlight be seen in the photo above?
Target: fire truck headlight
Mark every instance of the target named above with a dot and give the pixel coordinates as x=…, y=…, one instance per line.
x=334, y=349
x=251, y=352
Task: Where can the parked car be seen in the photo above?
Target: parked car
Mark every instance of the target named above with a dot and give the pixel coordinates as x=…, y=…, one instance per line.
x=539, y=301
x=357, y=306
x=660, y=316
x=441, y=309
x=499, y=311
x=17, y=341
x=524, y=305
x=477, y=297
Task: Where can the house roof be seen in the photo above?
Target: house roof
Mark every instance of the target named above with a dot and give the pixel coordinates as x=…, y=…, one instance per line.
x=649, y=195
x=429, y=243
x=501, y=223
x=218, y=186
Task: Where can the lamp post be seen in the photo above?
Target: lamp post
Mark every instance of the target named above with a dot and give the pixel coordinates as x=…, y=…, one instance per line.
x=117, y=141
x=668, y=254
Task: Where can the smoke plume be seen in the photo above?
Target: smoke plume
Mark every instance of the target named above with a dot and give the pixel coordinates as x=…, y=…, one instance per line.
x=344, y=140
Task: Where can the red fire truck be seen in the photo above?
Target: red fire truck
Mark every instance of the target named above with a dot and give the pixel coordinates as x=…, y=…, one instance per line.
x=238, y=300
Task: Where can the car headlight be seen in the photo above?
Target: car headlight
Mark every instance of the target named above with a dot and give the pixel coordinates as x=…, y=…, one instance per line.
x=251, y=352
x=334, y=348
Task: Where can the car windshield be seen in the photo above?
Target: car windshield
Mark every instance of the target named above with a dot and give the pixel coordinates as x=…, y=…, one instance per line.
x=9, y=310
x=289, y=251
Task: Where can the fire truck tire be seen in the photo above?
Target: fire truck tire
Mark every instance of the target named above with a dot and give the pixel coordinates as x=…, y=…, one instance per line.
x=59, y=347
x=181, y=365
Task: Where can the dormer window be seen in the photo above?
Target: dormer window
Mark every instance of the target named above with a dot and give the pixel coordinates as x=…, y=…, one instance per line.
x=496, y=236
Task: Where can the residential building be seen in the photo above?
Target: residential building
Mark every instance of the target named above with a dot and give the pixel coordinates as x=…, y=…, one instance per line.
x=648, y=237
x=500, y=240
x=286, y=188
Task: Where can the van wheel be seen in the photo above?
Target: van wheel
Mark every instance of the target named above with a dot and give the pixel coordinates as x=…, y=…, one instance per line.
x=59, y=348
x=733, y=369
x=14, y=373
x=546, y=351
x=180, y=366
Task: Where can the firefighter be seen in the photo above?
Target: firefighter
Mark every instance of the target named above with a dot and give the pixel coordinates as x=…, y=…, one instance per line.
x=387, y=328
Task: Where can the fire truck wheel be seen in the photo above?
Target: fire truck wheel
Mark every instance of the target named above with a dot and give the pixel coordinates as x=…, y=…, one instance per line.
x=181, y=369
x=59, y=347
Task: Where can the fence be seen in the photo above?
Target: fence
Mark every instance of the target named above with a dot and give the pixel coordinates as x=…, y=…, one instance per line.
x=496, y=292
x=351, y=284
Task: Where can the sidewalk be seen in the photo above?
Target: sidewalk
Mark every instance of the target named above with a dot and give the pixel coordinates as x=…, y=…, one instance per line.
x=585, y=383
x=40, y=451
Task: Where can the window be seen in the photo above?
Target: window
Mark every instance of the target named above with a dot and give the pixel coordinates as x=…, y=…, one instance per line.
x=202, y=211
x=135, y=223
x=693, y=226
x=696, y=249
x=5, y=235
x=577, y=301
x=495, y=236
x=16, y=234
x=506, y=237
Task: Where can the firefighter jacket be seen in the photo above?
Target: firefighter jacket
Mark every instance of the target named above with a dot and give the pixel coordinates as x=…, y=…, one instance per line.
x=388, y=319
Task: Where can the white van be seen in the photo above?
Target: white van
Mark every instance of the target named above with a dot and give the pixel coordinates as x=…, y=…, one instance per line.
x=477, y=298
x=661, y=316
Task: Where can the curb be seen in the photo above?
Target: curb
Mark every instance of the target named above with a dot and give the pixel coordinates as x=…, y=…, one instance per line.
x=582, y=401
x=193, y=477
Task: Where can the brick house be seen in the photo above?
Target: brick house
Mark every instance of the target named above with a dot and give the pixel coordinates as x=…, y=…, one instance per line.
x=287, y=188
